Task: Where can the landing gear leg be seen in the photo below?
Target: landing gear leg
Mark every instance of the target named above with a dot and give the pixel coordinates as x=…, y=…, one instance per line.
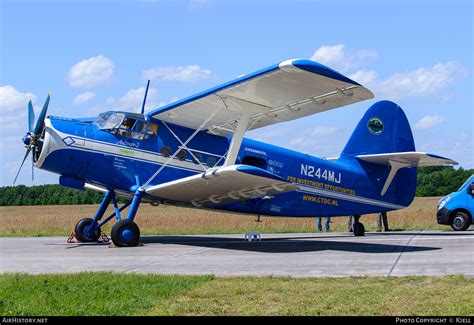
x=358, y=227
x=125, y=232
x=88, y=229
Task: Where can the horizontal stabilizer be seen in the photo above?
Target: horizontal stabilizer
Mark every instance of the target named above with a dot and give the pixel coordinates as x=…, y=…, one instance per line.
x=411, y=159
x=222, y=185
x=398, y=160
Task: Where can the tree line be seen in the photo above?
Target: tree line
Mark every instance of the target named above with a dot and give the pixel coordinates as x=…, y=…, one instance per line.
x=440, y=181
x=431, y=181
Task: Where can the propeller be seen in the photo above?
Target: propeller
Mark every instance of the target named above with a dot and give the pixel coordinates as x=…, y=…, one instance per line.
x=32, y=138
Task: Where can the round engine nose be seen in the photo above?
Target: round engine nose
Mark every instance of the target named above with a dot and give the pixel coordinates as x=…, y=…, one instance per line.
x=26, y=139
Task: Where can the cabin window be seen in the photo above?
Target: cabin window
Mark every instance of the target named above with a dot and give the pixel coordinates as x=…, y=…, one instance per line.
x=198, y=157
x=211, y=161
x=165, y=151
x=153, y=128
x=181, y=155
x=255, y=161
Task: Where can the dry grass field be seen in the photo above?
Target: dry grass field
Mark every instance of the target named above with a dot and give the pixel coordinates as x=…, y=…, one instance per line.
x=60, y=220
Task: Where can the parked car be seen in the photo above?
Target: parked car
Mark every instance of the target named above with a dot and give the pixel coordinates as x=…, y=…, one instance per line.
x=457, y=209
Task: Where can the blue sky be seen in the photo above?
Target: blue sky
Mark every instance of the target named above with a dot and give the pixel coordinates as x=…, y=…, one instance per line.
x=96, y=55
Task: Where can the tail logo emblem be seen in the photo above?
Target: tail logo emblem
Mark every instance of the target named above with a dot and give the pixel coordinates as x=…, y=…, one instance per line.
x=375, y=126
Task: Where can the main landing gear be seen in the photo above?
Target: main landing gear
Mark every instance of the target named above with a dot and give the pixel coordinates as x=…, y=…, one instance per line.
x=358, y=227
x=125, y=232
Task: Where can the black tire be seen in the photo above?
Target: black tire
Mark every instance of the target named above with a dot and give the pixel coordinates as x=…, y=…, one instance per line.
x=359, y=229
x=82, y=235
x=125, y=233
x=461, y=221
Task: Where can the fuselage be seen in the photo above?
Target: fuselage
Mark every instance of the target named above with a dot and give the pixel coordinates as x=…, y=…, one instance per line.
x=80, y=149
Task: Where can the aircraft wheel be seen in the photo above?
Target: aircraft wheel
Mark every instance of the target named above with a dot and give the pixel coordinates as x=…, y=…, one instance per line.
x=83, y=233
x=125, y=233
x=359, y=229
x=461, y=221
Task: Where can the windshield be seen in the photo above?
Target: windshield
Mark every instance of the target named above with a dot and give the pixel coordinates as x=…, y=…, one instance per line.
x=470, y=179
x=100, y=121
x=113, y=121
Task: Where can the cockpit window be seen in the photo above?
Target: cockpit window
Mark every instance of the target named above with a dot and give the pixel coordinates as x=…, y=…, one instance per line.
x=127, y=125
x=100, y=121
x=113, y=121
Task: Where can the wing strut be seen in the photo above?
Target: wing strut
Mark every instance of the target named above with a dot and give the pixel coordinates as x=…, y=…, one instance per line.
x=237, y=138
x=394, y=167
x=184, y=145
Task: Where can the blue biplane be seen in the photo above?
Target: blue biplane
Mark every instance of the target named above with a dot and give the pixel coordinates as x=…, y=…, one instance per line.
x=193, y=153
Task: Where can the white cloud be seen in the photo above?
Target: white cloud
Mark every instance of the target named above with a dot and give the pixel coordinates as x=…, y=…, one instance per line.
x=418, y=82
x=91, y=72
x=166, y=102
x=13, y=107
x=364, y=77
x=83, y=98
x=322, y=141
x=189, y=73
x=335, y=57
x=429, y=121
x=13, y=100
x=422, y=81
x=131, y=101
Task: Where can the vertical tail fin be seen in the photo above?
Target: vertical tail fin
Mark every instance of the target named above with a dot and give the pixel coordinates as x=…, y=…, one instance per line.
x=383, y=129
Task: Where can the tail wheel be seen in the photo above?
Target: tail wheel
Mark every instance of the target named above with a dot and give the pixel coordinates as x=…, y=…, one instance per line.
x=359, y=229
x=84, y=233
x=461, y=221
x=125, y=233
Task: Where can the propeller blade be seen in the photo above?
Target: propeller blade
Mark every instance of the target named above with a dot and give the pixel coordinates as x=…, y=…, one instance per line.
x=40, y=122
x=19, y=169
x=31, y=116
x=33, y=167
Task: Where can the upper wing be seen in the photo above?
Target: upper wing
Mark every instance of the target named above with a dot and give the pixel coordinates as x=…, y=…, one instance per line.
x=282, y=92
x=222, y=185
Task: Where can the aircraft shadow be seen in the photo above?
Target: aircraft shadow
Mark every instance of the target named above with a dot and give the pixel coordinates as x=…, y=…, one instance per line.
x=284, y=245
x=411, y=233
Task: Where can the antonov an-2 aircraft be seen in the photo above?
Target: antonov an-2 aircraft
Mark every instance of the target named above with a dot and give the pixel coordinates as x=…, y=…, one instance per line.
x=193, y=153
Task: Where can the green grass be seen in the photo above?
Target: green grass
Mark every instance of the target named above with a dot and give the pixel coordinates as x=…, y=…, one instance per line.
x=133, y=294
x=89, y=293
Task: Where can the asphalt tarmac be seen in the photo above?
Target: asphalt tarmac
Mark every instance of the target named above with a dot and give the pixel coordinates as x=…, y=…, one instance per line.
x=297, y=255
